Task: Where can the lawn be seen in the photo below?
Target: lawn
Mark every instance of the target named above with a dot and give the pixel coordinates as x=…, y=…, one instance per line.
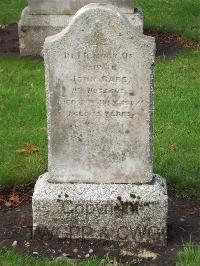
x=189, y=256
x=10, y=10
x=177, y=116
x=181, y=16
x=12, y=258
x=23, y=135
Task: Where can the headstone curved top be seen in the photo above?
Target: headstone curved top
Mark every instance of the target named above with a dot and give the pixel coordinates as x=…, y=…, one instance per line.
x=99, y=99
x=70, y=7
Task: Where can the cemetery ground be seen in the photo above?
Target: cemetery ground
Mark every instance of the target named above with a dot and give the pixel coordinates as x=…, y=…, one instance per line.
x=23, y=140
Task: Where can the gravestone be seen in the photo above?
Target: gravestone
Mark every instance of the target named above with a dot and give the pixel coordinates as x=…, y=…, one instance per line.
x=70, y=7
x=43, y=18
x=100, y=185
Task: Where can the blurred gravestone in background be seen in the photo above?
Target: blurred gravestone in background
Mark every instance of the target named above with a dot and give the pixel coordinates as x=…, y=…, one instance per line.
x=43, y=18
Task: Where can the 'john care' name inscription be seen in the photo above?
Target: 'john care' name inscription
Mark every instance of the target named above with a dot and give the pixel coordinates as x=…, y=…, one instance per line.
x=103, y=79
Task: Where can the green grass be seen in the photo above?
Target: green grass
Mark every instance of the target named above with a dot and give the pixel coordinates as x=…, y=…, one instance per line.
x=11, y=258
x=10, y=10
x=189, y=256
x=177, y=116
x=181, y=16
x=23, y=120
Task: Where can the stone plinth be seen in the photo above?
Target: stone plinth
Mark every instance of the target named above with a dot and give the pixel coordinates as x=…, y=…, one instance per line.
x=128, y=213
x=45, y=18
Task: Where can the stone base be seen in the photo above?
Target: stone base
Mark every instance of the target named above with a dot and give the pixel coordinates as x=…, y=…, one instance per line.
x=133, y=214
x=33, y=29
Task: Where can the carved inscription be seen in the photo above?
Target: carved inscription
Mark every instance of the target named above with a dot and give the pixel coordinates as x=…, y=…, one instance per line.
x=97, y=55
x=122, y=233
x=111, y=91
x=103, y=79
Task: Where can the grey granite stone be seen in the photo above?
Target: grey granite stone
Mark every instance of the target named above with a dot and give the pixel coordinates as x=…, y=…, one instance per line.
x=100, y=185
x=34, y=28
x=133, y=214
x=99, y=99
x=70, y=7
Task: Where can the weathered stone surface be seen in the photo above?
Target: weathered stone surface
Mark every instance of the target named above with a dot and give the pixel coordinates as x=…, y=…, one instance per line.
x=134, y=214
x=100, y=99
x=33, y=29
x=70, y=7
x=100, y=103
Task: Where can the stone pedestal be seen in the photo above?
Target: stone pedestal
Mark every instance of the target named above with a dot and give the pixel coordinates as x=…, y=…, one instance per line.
x=36, y=24
x=133, y=214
